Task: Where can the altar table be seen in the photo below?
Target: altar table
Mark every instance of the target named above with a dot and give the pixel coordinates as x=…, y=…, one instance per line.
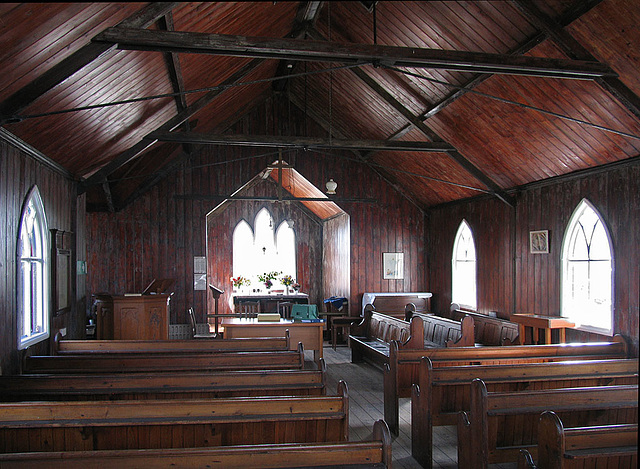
x=309, y=333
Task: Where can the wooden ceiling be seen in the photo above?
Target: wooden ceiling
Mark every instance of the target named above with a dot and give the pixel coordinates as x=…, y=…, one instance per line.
x=447, y=99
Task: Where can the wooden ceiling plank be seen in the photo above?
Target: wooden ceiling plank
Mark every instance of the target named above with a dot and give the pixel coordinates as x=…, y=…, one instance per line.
x=17, y=102
x=294, y=49
x=577, y=51
x=299, y=142
x=171, y=124
x=423, y=128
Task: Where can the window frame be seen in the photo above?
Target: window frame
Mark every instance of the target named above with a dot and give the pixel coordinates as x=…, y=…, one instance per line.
x=42, y=298
x=455, y=260
x=565, y=262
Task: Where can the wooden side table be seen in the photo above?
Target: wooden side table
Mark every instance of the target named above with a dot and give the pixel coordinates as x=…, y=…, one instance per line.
x=342, y=324
x=539, y=323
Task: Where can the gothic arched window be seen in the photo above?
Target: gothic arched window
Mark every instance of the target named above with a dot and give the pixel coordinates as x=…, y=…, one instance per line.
x=33, y=273
x=587, y=271
x=463, y=268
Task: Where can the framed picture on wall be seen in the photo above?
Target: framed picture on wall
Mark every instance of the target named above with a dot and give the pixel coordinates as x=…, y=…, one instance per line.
x=539, y=242
x=393, y=265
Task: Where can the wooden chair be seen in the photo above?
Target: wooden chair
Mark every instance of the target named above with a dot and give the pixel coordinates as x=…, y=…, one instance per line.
x=284, y=309
x=249, y=309
x=194, y=328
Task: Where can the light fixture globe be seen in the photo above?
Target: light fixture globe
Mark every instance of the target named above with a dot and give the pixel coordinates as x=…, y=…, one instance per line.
x=331, y=186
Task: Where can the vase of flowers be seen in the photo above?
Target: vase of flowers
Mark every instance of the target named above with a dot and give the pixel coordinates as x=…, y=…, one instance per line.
x=240, y=281
x=267, y=278
x=287, y=281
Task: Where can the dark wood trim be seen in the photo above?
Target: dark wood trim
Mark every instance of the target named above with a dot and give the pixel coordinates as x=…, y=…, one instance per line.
x=298, y=142
x=27, y=149
x=294, y=49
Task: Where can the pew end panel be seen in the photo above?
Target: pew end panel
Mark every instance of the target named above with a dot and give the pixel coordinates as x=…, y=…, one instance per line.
x=580, y=447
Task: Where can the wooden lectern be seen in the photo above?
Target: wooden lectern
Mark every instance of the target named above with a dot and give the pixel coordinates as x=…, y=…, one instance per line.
x=143, y=316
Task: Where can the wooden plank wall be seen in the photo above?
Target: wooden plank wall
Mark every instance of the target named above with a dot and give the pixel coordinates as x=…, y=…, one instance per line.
x=158, y=235
x=18, y=173
x=511, y=279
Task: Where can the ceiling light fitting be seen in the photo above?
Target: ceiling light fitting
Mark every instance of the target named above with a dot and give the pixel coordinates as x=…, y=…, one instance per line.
x=331, y=186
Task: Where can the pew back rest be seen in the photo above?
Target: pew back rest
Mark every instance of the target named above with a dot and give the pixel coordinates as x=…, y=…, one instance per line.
x=170, y=385
x=73, y=426
x=65, y=347
x=374, y=453
x=489, y=330
x=449, y=388
x=163, y=362
x=444, y=332
x=382, y=327
x=395, y=305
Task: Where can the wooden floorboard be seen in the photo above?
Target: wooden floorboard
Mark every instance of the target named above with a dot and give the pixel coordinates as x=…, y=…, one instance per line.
x=366, y=406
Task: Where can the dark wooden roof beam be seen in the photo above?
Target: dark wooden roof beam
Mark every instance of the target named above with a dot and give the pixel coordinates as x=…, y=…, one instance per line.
x=298, y=142
x=322, y=51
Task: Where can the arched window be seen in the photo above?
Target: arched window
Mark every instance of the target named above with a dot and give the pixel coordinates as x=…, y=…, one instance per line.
x=587, y=271
x=463, y=268
x=33, y=268
x=265, y=249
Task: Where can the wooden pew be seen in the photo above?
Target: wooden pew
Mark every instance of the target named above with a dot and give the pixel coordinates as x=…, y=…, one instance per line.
x=490, y=330
x=142, y=424
x=374, y=453
x=394, y=305
x=369, y=340
x=77, y=347
x=162, y=362
x=401, y=371
x=443, y=332
x=500, y=424
x=170, y=385
x=441, y=393
x=582, y=447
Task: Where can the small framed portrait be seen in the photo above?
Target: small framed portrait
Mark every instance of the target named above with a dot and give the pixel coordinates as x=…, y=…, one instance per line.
x=539, y=242
x=393, y=265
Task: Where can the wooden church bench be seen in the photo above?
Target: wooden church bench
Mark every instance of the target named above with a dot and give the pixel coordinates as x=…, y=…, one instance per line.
x=175, y=423
x=163, y=362
x=77, y=347
x=582, y=447
x=499, y=424
x=169, y=385
x=374, y=453
x=490, y=330
x=395, y=305
x=441, y=393
x=401, y=371
x=443, y=332
x=369, y=340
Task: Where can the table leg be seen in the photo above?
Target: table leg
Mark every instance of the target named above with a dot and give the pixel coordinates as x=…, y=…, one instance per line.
x=562, y=332
x=547, y=336
x=523, y=336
